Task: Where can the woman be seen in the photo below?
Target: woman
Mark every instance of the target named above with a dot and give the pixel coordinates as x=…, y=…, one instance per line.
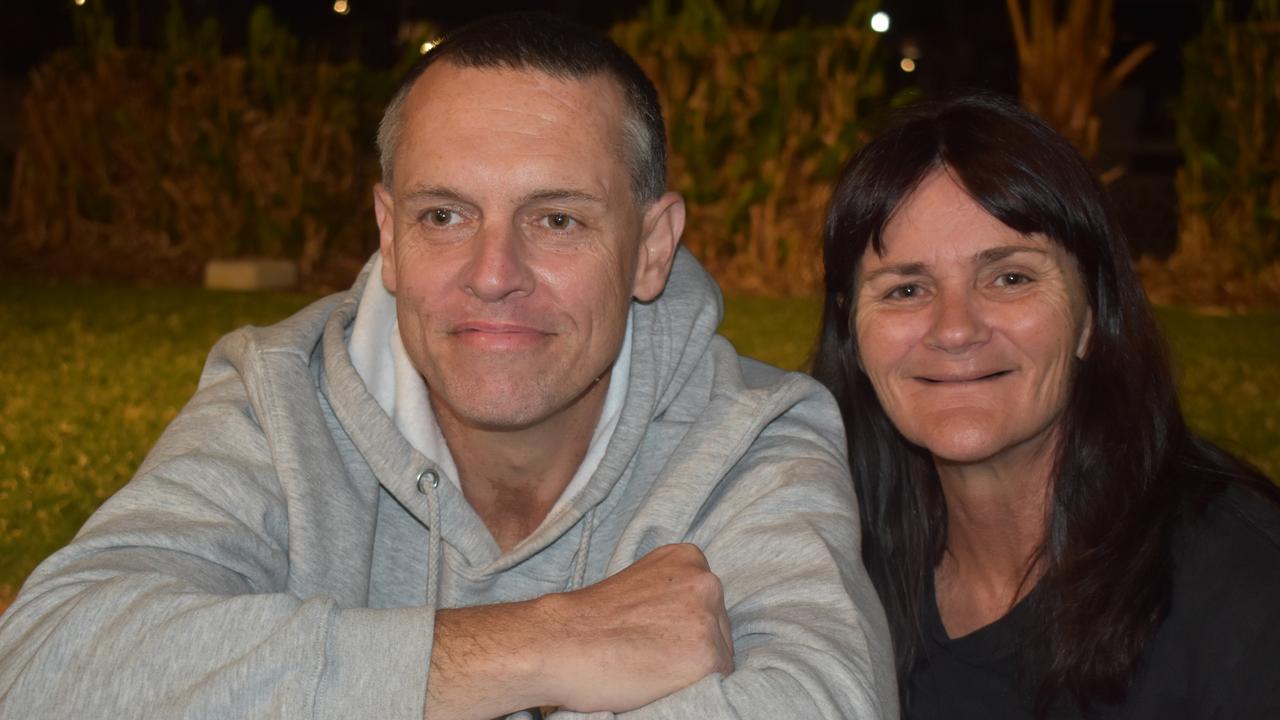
x=1047, y=536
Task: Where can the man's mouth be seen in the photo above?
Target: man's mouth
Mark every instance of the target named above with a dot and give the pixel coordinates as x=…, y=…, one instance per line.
x=497, y=335
x=496, y=328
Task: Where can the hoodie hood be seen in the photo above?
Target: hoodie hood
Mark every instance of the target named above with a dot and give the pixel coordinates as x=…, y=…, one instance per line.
x=670, y=337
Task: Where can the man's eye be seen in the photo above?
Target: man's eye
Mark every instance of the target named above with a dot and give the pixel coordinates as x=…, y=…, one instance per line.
x=1011, y=278
x=441, y=217
x=559, y=221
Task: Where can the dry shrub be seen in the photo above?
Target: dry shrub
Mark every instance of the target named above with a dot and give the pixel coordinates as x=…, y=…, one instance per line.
x=145, y=164
x=1229, y=186
x=759, y=124
x=137, y=164
x=1062, y=59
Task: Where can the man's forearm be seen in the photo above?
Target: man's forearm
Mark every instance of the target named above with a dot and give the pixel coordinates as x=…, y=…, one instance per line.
x=486, y=661
x=642, y=634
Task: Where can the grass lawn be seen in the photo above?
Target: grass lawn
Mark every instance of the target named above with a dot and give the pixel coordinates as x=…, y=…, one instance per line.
x=90, y=376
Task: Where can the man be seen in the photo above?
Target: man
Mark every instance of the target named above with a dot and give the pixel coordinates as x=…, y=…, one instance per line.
x=513, y=468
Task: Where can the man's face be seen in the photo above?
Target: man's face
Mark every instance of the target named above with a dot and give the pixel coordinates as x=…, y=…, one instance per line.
x=513, y=243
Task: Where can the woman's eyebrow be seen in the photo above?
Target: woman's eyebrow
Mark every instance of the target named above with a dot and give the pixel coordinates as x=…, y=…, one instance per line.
x=996, y=254
x=911, y=268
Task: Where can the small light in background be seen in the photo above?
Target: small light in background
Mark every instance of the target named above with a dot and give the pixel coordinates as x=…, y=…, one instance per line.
x=880, y=22
x=341, y=7
x=79, y=2
x=426, y=47
x=907, y=65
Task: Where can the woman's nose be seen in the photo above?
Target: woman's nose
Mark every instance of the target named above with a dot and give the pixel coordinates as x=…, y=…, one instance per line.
x=957, y=324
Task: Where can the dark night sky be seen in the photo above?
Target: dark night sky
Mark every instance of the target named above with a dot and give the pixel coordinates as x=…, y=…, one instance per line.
x=968, y=41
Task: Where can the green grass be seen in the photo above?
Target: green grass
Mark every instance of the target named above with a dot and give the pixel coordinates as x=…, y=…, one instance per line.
x=90, y=376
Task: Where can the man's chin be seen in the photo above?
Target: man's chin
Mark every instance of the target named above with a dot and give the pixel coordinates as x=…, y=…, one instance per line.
x=497, y=410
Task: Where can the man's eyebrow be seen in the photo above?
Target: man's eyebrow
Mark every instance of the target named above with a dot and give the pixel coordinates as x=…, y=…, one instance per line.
x=560, y=194
x=433, y=192
x=440, y=192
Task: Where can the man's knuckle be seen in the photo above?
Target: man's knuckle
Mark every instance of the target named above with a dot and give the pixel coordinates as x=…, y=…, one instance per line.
x=706, y=585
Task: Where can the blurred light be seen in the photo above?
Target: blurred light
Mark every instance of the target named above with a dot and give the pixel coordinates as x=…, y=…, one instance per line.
x=341, y=7
x=426, y=47
x=79, y=2
x=907, y=65
x=880, y=22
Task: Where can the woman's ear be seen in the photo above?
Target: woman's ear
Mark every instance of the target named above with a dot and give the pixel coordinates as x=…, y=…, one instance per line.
x=1086, y=332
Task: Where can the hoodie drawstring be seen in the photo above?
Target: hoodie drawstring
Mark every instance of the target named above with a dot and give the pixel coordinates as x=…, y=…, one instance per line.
x=428, y=483
x=579, y=576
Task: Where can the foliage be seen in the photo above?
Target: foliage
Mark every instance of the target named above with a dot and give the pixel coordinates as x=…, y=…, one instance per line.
x=95, y=373
x=150, y=163
x=1061, y=64
x=1228, y=125
x=759, y=124
x=137, y=162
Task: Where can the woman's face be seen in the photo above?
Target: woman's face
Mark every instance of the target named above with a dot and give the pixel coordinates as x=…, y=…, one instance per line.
x=968, y=329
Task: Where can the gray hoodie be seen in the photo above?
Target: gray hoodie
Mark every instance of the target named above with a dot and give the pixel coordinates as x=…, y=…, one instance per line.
x=282, y=550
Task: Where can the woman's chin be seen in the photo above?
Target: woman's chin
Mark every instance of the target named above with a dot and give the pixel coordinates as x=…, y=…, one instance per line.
x=980, y=444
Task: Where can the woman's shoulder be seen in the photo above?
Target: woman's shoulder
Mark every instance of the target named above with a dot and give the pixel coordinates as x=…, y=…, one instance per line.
x=1225, y=569
x=1237, y=527
x=1214, y=653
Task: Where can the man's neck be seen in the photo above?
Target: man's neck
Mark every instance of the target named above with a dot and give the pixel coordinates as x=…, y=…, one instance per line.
x=513, y=478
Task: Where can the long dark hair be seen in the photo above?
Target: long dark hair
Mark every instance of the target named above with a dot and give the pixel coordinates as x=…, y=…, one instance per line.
x=1127, y=469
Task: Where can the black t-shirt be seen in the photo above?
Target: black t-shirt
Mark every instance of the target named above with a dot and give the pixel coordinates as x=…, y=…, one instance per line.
x=1217, y=655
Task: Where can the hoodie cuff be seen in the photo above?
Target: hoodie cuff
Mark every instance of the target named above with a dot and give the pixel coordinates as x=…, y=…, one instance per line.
x=376, y=664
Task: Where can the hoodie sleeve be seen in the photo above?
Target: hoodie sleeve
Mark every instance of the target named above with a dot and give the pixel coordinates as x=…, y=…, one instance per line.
x=810, y=635
x=172, y=602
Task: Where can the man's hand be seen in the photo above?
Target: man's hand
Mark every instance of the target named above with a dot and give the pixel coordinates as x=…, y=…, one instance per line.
x=642, y=634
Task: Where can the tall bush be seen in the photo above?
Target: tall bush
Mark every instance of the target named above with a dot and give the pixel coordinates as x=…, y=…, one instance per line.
x=1228, y=125
x=143, y=162
x=759, y=123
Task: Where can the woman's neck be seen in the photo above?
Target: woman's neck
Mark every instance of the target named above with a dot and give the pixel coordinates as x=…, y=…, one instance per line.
x=997, y=515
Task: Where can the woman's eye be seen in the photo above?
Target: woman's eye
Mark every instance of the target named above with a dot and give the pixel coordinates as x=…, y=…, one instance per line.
x=1011, y=278
x=904, y=292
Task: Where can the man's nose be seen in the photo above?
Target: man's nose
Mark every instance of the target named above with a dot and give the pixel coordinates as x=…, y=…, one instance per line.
x=958, y=323
x=498, y=268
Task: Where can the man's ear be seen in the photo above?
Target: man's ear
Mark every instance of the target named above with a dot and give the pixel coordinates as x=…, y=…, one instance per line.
x=384, y=209
x=661, y=228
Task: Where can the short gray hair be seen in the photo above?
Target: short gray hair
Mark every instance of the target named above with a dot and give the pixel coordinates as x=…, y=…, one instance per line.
x=561, y=49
